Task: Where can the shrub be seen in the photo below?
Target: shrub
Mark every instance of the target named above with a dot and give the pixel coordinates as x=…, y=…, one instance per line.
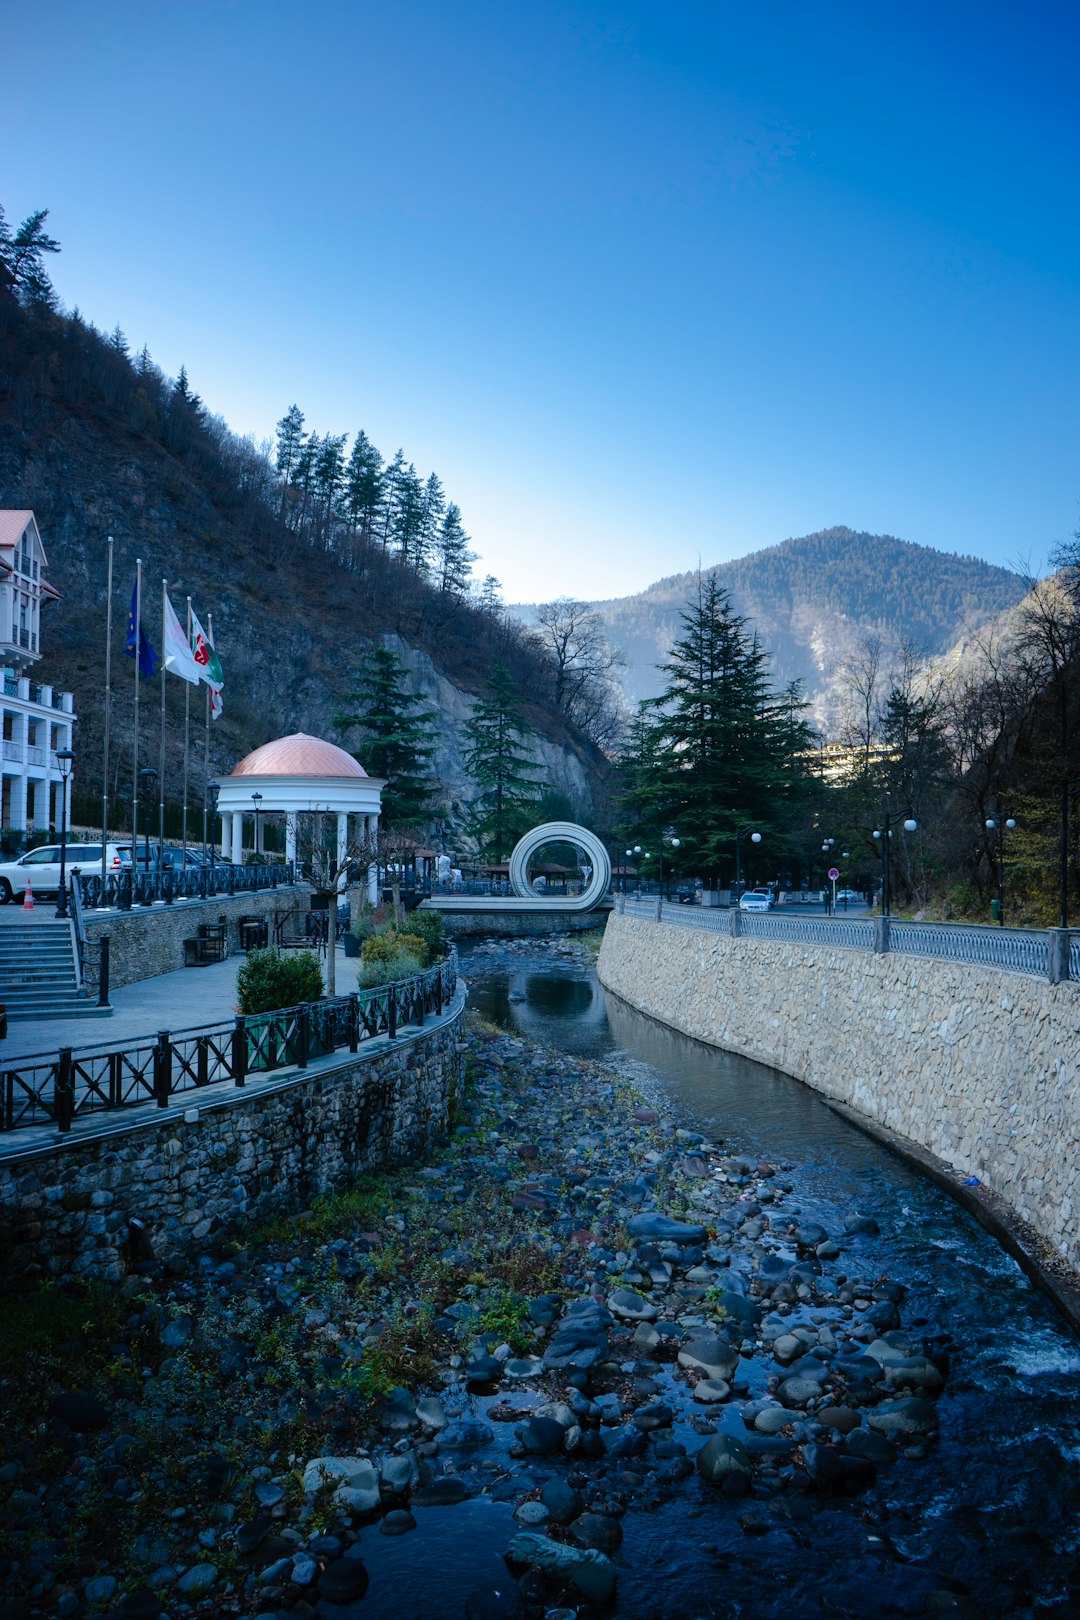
x=369, y=920
x=270, y=979
x=428, y=926
x=387, y=968
x=380, y=947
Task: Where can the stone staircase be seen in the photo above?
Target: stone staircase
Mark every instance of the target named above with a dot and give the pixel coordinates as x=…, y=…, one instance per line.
x=38, y=973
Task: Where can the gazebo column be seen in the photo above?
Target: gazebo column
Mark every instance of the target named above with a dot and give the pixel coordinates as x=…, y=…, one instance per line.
x=290, y=835
x=371, y=832
x=238, y=838
x=342, y=846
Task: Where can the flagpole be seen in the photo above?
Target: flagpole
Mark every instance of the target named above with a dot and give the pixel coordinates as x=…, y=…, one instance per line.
x=161, y=751
x=187, y=735
x=206, y=751
x=107, y=706
x=135, y=737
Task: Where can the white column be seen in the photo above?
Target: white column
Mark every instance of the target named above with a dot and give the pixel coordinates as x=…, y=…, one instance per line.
x=290, y=835
x=238, y=837
x=342, y=845
x=371, y=830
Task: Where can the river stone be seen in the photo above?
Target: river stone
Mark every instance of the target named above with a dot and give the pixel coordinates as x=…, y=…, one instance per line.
x=176, y=1333
x=710, y=1355
x=788, y=1347
x=736, y=1308
x=249, y=1535
x=657, y=1415
x=841, y=1418
x=139, y=1604
x=561, y=1500
x=397, y=1523
x=531, y=1513
x=343, y=1581
x=724, y=1461
x=398, y=1415
x=823, y=1465
x=465, y=1432
x=653, y=1227
x=99, y=1589
x=590, y=1571
x=304, y=1570
x=772, y=1420
x=399, y=1474
x=197, y=1581
x=632, y=1307
x=810, y=1234
x=444, y=1492
x=522, y=1367
x=597, y=1530
x=483, y=1370
x=914, y=1372
x=322, y=1470
x=796, y=1391
x=911, y=1416
x=708, y=1390
x=431, y=1412
x=870, y=1447
x=540, y=1435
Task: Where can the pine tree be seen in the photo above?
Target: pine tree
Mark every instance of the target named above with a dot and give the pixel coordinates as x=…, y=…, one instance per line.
x=499, y=763
x=408, y=527
x=21, y=256
x=727, y=740
x=396, y=726
x=363, y=486
x=395, y=472
x=434, y=510
x=328, y=474
x=452, y=554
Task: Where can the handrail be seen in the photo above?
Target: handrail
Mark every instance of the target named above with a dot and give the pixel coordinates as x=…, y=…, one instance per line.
x=1041, y=953
x=135, y=887
x=59, y=1087
x=76, y=914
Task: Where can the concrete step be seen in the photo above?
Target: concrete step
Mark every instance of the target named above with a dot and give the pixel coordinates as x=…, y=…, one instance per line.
x=65, y=1009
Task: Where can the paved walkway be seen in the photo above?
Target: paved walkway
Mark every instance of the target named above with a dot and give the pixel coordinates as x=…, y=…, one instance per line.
x=181, y=1000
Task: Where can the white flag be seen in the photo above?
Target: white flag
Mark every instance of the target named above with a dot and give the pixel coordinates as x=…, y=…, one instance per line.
x=178, y=655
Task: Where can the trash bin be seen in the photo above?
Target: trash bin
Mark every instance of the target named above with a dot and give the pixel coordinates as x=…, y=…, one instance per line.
x=995, y=911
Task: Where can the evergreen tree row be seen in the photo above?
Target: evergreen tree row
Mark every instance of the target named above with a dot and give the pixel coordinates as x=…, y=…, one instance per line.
x=333, y=497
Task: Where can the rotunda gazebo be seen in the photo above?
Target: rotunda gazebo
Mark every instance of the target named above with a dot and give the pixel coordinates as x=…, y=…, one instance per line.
x=292, y=776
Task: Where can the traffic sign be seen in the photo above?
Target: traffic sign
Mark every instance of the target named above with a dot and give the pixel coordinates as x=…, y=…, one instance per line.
x=834, y=873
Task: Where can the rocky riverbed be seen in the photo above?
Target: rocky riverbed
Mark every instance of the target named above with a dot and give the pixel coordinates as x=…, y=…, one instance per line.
x=585, y=1362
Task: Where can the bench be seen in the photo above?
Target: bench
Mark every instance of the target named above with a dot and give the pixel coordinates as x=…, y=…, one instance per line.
x=209, y=945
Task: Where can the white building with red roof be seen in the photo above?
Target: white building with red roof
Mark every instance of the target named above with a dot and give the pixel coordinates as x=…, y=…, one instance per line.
x=38, y=719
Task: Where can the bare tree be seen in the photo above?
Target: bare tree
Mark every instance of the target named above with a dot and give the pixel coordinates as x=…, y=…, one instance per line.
x=583, y=665
x=329, y=868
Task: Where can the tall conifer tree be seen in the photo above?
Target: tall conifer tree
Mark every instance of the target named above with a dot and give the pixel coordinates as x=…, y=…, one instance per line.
x=397, y=728
x=500, y=764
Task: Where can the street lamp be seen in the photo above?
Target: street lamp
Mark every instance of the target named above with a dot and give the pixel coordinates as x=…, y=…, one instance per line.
x=755, y=838
x=999, y=824
x=64, y=759
x=210, y=799
x=668, y=836
x=256, y=799
x=634, y=855
x=884, y=833
x=148, y=776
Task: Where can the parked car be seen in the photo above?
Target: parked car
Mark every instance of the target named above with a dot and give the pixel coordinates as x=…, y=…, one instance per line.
x=168, y=859
x=756, y=900
x=41, y=868
x=848, y=894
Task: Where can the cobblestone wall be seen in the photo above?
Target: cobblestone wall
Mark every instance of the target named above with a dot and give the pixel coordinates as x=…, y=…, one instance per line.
x=977, y=1065
x=68, y=1209
x=148, y=940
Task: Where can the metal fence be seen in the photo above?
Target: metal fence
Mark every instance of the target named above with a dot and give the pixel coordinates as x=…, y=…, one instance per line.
x=1051, y=953
x=122, y=890
x=61, y=1087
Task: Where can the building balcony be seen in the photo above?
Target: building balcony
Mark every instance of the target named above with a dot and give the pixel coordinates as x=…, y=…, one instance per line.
x=20, y=686
x=12, y=750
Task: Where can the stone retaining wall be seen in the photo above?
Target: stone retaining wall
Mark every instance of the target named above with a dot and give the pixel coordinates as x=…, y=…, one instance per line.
x=977, y=1065
x=148, y=940
x=516, y=924
x=241, y=1157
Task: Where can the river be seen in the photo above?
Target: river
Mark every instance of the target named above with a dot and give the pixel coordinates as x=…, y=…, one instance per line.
x=991, y=1514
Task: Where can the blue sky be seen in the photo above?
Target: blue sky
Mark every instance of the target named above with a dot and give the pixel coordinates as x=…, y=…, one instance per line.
x=643, y=284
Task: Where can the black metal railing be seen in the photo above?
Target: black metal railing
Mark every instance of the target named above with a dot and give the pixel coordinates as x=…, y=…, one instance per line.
x=122, y=890
x=61, y=1087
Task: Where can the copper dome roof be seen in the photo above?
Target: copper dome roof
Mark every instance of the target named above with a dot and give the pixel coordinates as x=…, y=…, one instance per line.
x=298, y=755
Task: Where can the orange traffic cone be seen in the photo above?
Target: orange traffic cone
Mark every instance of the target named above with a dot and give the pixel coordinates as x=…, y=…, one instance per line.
x=28, y=897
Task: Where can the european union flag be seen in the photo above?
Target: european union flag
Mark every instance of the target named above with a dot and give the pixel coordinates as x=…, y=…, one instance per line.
x=147, y=656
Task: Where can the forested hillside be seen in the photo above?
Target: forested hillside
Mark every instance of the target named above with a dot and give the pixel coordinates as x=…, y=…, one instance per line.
x=811, y=599
x=304, y=553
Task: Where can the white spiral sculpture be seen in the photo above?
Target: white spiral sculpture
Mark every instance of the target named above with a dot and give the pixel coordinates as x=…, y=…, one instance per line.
x=561, y=832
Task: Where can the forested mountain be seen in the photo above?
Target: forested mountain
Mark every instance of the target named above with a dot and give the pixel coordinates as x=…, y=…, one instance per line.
x=304, y=554
x=811, y=599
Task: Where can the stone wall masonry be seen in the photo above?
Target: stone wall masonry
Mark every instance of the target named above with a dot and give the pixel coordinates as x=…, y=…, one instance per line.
x=191, y=1174
x=148, y=940
x=520, y=924
x=977, y=1065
